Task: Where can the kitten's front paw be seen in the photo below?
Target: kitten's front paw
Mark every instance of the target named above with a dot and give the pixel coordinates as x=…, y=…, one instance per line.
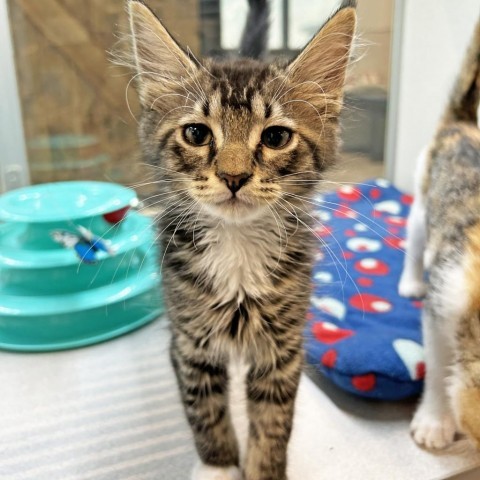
x=411, y=287
x=431, y=429
x=207, y=472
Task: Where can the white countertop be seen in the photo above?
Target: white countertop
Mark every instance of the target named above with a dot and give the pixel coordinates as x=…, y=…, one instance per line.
x=112, y=412
x=337, y=437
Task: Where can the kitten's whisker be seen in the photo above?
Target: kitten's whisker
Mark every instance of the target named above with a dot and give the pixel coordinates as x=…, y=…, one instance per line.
x=352, y=183
x=283, y=225
x=183, y=219
x=335, y=259
x=279, y=243
x=172, y=110
x=172, y=203
x=163, y=195
x=299, y=85
x=196, y=87
x=104, y=235
x=276, y=78
x=158, y=167
x=194, y=226
x=183, y=86
x=281, y=86
x=131, y=258
x=333, y=236
x=126, y=97
x=190, y=53
x=178, y=205
x=168, y=95
x=157, y=74
x=157, y=182
x=342, y=184
x=321, y=204
x=298, y=182
x=333, y=256
x=179, y=222
x=196, y=81
x=296, y=173
x=314, y=107
x=372, y=221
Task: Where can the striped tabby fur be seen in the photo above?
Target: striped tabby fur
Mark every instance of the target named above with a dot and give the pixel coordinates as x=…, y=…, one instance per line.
x=236, y=227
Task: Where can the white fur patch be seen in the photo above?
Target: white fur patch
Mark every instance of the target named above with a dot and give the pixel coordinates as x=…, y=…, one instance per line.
x=434, y=425
x=411, y=282
x=421, y=172
x=431, y=428
x=207, y=472
x=240, y=260
x=411, y=287
x=451, y=297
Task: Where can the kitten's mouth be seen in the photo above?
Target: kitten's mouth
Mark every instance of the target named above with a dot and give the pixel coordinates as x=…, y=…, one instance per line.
x=232, y=201
x=236, y=209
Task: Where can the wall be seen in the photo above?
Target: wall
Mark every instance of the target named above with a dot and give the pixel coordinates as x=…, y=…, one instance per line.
x=435, y=35
x=374, y=29
x=75, y=116
x=13, y=161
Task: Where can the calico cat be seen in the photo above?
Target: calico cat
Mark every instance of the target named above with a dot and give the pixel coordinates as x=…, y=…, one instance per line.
x=238, y=146
x=444, y=237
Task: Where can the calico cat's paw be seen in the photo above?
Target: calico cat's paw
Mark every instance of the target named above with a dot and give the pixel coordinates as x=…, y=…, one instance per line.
x=207, y=472
x=433, y=429
x=411, y=287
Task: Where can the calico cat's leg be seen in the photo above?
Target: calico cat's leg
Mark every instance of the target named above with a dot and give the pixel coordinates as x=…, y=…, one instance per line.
x=433, y=425
x=203, y=387
x=271, y=395
x=411, y=282
x=465, y=381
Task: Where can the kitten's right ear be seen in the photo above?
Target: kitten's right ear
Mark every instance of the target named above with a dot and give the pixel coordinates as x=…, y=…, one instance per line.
x=159, y=60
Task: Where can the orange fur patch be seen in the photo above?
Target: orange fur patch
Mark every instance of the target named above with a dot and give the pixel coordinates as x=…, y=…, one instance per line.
x=473, y=266
x=469, y=413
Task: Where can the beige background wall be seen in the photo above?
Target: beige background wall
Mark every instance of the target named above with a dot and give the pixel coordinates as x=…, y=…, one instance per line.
x=375, y=31
x=433, y=41
x=75, y=115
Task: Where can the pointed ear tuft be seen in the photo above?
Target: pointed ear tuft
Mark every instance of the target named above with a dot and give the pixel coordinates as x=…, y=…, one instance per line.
x=159, y=60
x=324, y=60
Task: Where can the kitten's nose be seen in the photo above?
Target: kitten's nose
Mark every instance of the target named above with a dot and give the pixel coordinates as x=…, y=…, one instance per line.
x=234, y=182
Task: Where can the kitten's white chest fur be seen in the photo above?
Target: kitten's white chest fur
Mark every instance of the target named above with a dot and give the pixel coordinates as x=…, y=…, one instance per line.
x=239, y=259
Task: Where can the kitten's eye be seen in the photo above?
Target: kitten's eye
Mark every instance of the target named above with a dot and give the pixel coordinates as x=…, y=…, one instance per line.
x=197, y=134
x=276, y=137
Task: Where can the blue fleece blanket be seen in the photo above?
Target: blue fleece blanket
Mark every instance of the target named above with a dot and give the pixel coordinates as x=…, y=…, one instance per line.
x=361, y=334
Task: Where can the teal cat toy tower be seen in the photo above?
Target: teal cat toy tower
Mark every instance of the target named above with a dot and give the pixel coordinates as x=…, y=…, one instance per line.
x=56, y=296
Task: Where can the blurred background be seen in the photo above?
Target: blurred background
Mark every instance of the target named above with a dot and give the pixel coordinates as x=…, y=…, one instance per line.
x=73, y=103
x=64, y=112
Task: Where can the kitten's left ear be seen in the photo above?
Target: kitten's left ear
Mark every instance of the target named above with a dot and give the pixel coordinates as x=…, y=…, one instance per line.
x=160, y=62
x=324, y=60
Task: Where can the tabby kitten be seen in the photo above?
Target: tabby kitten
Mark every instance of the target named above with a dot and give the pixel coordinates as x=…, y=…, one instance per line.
x=444, y=236
x=238, y=146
